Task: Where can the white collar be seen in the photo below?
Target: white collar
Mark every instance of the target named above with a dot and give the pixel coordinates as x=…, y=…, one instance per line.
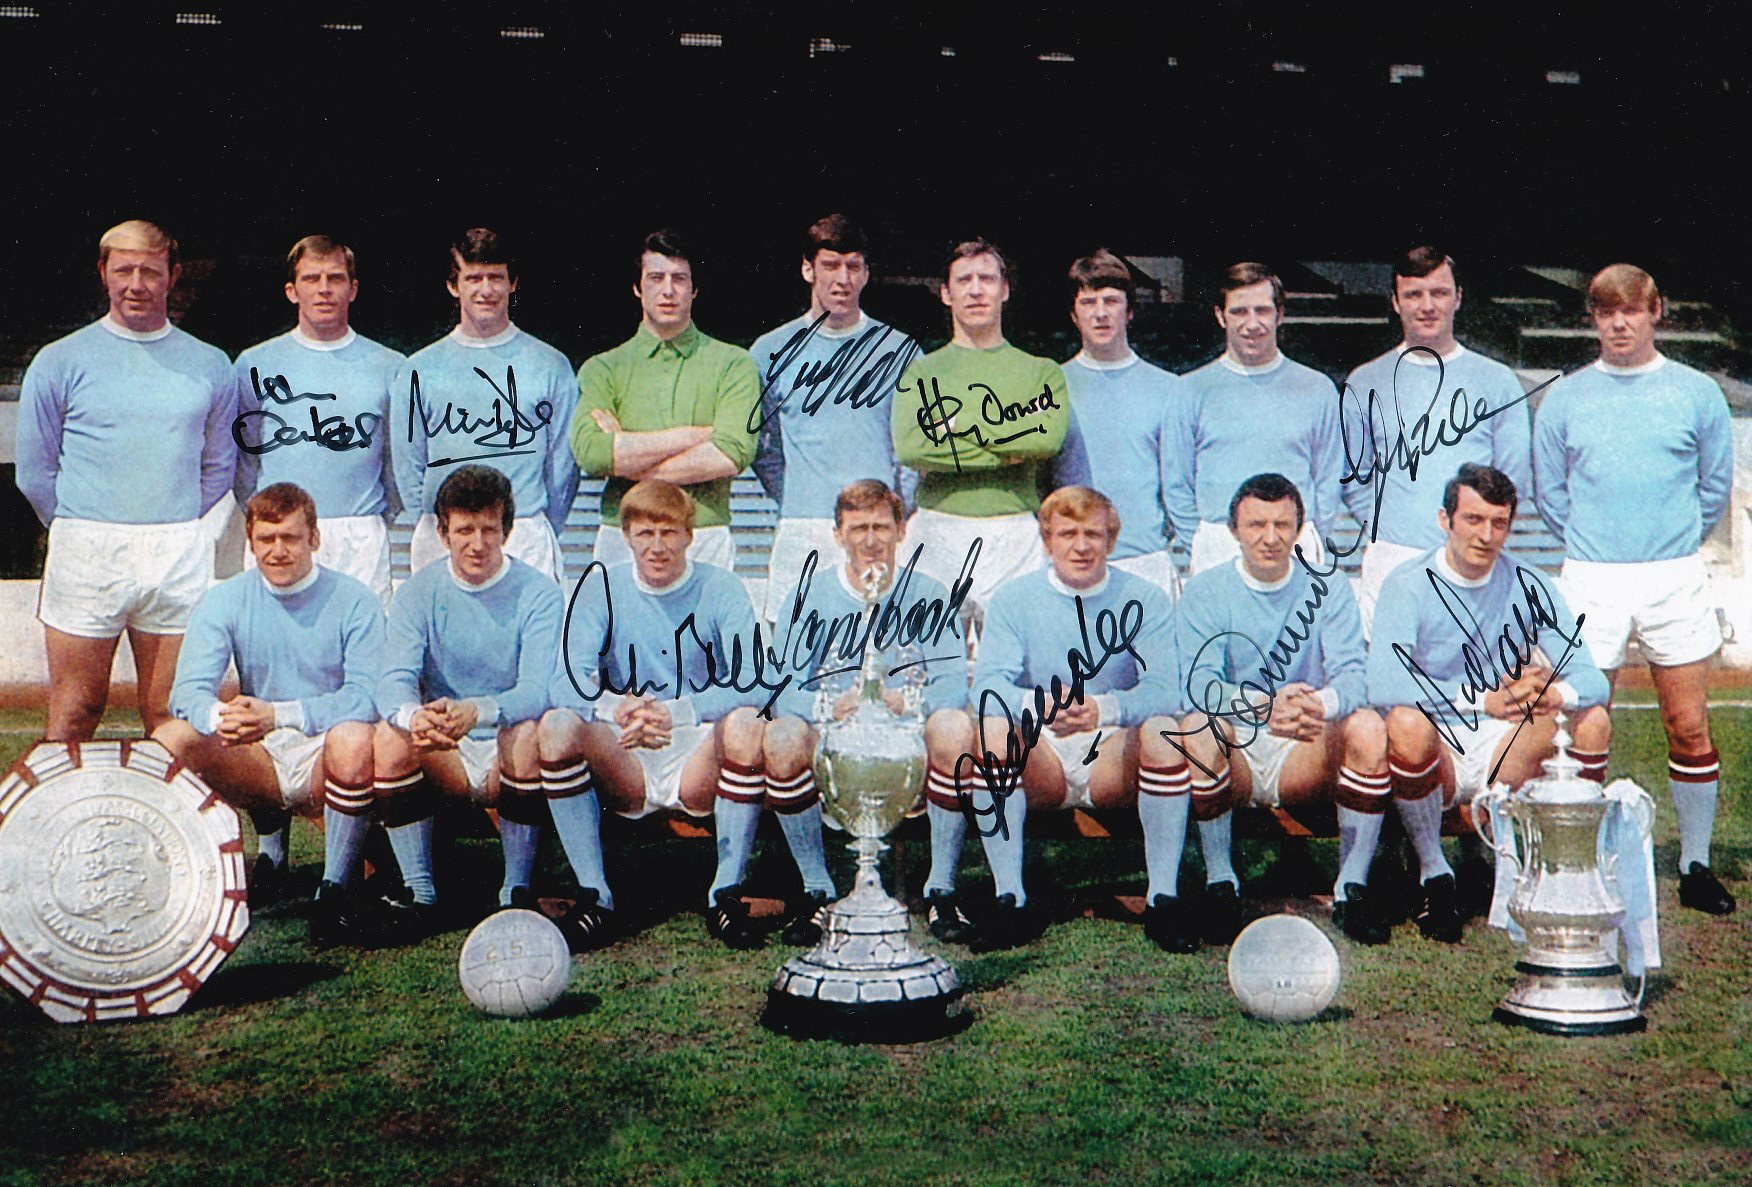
x=108, y=322
x=1241, y=368
x=845, y=581
x=1421, y=358
x=1654, y=364
x=1258, y=586
x=1052, y=579
x=1082, y=359
x=686, y=576
x=341, y=343
x=851, y=331
x=1452, y=576
x=297, y=587
x=503, y=336
x=489, y=583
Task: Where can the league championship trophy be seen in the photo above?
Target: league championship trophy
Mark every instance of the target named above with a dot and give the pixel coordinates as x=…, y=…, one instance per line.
x=1571, y=982
x=865, y=980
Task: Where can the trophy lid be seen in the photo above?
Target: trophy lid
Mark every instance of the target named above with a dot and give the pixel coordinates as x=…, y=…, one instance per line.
x=1562, y=782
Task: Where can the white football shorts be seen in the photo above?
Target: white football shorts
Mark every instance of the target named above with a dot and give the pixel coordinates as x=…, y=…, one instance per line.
x=1664, y=605
x=531, y=541
x=295, y=755
x=102, y=578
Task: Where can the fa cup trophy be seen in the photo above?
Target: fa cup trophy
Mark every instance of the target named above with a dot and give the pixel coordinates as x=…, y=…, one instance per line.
x=1571, y=982
x=865, y=979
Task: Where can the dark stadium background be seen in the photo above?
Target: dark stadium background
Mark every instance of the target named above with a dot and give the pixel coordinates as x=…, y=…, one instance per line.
x=1207, y=133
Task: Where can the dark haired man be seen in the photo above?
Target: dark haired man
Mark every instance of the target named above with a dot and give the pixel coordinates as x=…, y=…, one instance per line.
x=1414, y=389
x=979, y=419
x=313, y=406
x=1473, y=655
x=1635, y=464
x=1122, y=411
x=1251, y=409
x=826, y=378
x=1275, y=665
x=307, y=643
x=669, y=404
x=469, y=647
x=486, y=392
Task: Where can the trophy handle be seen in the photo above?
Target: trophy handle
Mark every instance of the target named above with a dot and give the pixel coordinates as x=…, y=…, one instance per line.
x=1483, y=805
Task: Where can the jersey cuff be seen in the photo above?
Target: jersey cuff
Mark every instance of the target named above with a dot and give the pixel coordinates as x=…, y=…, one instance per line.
x=289, y=715
x=486, y=709
x=682, y=711
x=1329, y=702
x=403, y=718
x=1107, y=709
x=213, y=719
x=1566, y=690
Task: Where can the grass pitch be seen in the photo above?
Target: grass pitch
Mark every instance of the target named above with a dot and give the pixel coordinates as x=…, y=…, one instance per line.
x=1093, y=1058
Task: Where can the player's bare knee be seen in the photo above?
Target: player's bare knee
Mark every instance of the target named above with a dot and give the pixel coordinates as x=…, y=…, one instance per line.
x=788, y=746
x=1365, y=741
x=519, y=753
x=559, y=734
x=347, y=753
x=1687, y=727
x=742, y=735
x=996, y=736
x=1593, y=729
x=948, y=734
x=178, y=737
x=1411, y=737
x=1156, y=742
x=392, y=755
x=1201, y=744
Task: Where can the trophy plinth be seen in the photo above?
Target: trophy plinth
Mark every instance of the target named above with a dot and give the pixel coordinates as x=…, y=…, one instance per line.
x=1570, y=981
x=865, y=981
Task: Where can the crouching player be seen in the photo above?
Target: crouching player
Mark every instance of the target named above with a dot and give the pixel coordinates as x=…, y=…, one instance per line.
x=1275, y=667
x=1473, y=655
x=1077, y=656
x=468, y=652
x=827, y=628
x=646, y=717
x=307, y=642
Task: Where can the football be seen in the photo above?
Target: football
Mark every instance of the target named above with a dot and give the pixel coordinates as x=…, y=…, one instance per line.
x=515, y=964
x=1283, y=969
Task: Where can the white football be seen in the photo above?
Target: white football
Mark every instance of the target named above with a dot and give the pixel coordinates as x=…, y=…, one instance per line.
x=514, y=963
x=1283, y=969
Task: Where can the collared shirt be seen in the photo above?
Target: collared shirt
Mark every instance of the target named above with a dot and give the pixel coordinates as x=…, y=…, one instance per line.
x=650, y=384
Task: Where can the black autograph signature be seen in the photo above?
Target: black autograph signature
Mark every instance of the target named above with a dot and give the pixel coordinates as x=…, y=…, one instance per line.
x=499, y=436
x=937, y=413
x=854, y=374
x=328, y=432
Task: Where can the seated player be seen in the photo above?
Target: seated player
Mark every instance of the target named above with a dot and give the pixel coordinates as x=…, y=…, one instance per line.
x=466, y=660
x=827, y=626
x=639, y=717
x=307, y=642
x=1075, y=658
x=1274, y=658
x=1473, y=655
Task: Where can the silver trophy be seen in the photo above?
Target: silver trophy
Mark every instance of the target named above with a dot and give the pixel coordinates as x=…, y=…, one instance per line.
x=1571, y=982
x=865, y=979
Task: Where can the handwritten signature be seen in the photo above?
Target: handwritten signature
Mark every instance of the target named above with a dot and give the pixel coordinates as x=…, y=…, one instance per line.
x=1483, y=675
x=937, y=413
x=328, y=432
x=495, y=433
x=1367, y=462
x=854, y=374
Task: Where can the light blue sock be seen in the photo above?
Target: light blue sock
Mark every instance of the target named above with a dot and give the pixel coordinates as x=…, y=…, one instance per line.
x=736, y=823
x=343, y=844
x=1423, y=825
x=1695, y=806
x=412, y=844
x=1359, y=833
x=948, y=831
x=521, y=843
x=1215, y=840
x=578, y=820
x=803, y=834
x=1163, y=818
x=1001, y=833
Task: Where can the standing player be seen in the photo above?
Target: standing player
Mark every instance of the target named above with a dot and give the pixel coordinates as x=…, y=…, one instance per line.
x=669, y=404
x=1273, y=624
x=486, y=392
x=825, y=379
x=307, y=642
x=124, y=444
x=1101, y=734
x=1428, y=375
x=978, y=419
x=313, y=405
x=1473, y=655
x=465, y=675
x=828, y=627
x=1121, y=418
x=1250, y=410
x=671, y=733
x=1634, y=458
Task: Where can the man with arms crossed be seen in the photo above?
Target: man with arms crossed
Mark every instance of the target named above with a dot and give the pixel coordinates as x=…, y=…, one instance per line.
x=1464, y=612
x=1251, y=409
x=486, y=392
x=313, y=406
x=124, y=444
x=1103, y=743
x=1292, y=635
x=469, y=647
x=826, y=629
x=638, y=721
x=1121, y=418
x=1429, y=374
x=826, y=378
x=671, y=405
x=308, y=643
x=1634, y=458
x=978, y=419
